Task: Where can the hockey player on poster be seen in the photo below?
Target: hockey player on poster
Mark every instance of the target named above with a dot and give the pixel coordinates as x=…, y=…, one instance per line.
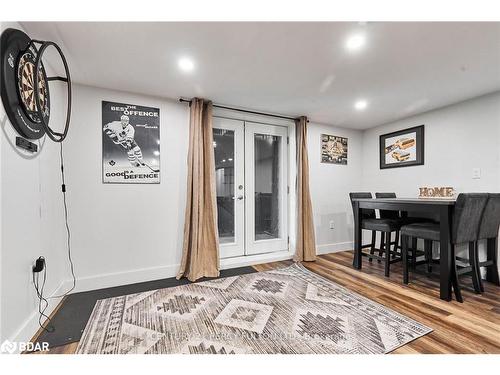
x=122, y=133
x=130, y=144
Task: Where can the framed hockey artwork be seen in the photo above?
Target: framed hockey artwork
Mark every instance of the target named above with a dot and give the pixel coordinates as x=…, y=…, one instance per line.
x=130, y=144
x=333, y=149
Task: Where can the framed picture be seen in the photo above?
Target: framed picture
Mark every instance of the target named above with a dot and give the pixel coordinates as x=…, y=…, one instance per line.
x=130, y=144
x=403, y=148
x=333, y=149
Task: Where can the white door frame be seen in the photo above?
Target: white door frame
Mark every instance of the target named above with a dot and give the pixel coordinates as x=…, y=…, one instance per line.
x=254, y=246
x=292, y=196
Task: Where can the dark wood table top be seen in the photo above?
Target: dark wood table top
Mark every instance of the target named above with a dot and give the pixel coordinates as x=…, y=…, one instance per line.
x=433, y=201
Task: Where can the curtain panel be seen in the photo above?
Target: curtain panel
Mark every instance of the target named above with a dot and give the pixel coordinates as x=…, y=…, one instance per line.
x=200, y=253
x=306, y=243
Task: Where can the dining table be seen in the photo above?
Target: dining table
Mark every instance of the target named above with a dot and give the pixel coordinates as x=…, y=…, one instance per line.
x=441, y=209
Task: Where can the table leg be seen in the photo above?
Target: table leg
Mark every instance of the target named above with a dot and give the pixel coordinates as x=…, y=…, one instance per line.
x=357, y=236
x=445, y=253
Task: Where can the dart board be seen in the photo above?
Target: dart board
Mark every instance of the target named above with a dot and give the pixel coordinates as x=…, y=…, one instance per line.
x=26, y=86
x=18, y=65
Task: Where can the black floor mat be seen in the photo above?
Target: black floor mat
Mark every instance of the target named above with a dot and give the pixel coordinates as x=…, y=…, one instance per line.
x=72, y=317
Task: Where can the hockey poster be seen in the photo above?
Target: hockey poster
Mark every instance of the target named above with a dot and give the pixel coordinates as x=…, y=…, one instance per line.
x=130, y=144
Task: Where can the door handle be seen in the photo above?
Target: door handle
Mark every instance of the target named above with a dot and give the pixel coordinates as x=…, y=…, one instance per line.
x=240, y=197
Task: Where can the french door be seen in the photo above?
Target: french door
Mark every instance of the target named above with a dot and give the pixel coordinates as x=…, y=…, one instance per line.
x=251, y=172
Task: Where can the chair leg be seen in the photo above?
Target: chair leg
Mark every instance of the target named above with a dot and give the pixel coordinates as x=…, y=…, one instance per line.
x=372, y=248
x=476, y=260
x=492, y=256
x=404, y=251
x=396, y=244
x=428, y=254
x=382, y=245
x=414, y=252
x=474, y=264
x=387, y=253
x=454, y=276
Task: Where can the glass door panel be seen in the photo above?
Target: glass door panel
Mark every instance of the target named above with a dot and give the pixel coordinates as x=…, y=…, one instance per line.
x=224, y=181
x=267, y=186
x=229, y=180
x=266, y=178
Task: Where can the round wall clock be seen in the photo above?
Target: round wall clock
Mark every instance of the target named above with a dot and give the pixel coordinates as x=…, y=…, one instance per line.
x=24, y=85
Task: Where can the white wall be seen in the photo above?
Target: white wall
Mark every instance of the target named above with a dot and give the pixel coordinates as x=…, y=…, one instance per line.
x=458, y=138
x=124, y=233
x=31, y=225
x=330, y=185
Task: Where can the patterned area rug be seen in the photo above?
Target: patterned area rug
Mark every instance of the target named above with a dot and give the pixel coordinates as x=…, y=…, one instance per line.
x=289, y=310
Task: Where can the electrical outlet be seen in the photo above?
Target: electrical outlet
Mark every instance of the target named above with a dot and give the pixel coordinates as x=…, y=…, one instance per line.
x=332, y=224
x=476, y=173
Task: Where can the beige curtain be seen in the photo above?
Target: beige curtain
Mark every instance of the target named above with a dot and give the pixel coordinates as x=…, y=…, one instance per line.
x=200, y=255
x=306, y=244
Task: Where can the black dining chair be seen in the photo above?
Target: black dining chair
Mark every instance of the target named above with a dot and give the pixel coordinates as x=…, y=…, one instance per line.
x=488, y=230
x=396, y=215
x=391, y=215
x=370, y=222
x=465, y=229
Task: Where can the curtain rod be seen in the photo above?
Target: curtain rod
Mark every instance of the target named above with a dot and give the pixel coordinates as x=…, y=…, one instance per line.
x=243, y=110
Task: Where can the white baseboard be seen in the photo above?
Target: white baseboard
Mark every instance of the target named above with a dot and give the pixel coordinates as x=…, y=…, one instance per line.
x=30, y=326
x=334, y=247
x=109, y=280
x=155, y=273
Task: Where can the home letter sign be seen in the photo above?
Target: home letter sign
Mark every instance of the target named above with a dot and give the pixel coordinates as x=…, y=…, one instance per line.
x=436, y=192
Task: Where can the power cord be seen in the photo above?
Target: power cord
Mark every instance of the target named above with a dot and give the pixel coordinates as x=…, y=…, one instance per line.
x=41, y=299
x=36, y=280
x=68, y=232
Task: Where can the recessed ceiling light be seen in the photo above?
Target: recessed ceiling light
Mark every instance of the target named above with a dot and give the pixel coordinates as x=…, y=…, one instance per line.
x=186, y=64
x=355, y=42
x=361, y=105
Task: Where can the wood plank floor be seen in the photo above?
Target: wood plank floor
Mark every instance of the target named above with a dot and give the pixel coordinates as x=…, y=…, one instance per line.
x=471, y=327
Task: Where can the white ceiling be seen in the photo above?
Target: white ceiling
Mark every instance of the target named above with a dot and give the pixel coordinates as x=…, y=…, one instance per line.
x=289, y=68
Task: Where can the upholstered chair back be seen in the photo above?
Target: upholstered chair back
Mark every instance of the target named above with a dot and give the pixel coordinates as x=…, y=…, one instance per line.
x=469, y=209
x=387, y=214
x=365, y=213
x=491, y=218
